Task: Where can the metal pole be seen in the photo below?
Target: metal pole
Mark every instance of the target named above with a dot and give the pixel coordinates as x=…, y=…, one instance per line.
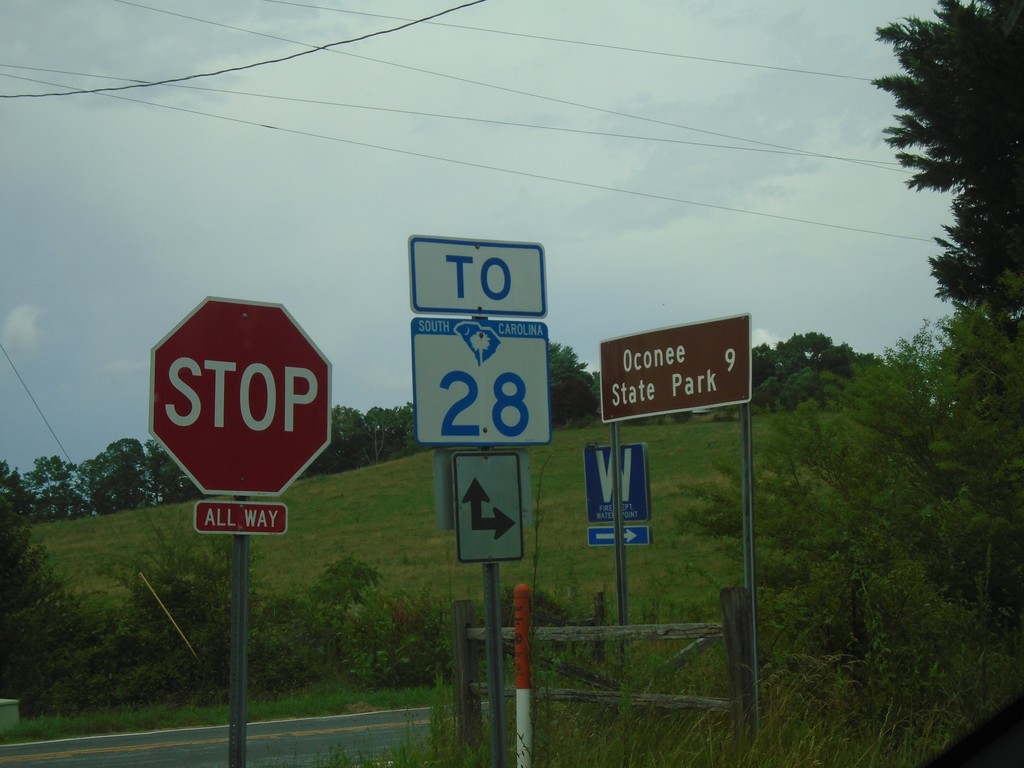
x=239, y=660
x=621, y=584
x=749, y=574
x=495, y=669
x=524, y=682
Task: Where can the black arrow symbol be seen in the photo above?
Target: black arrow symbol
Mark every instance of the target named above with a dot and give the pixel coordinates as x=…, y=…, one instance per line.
x=476, y=496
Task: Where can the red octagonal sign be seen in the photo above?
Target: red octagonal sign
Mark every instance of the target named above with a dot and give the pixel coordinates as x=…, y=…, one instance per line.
x=240, y=397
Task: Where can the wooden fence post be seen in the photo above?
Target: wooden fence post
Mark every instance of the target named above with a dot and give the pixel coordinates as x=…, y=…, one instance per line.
x=466, y=673
x=599, y=622
x=736, y=626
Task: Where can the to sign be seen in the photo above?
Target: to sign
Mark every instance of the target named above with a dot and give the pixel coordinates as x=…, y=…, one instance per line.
x=698, y=365
x=480, y=382
x=476, y=277
x=239, y=397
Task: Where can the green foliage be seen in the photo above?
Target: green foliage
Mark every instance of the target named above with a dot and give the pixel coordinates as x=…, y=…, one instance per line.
x=961, y=96
x=374, y=638
x=359, y=439
x=47, y=635
x=800, y=369
x=947, y=413
x=332, y=603
x=115, y=479
x=573, y=392
x=33, y=608
x=343, y=585
x=397, y=639
x=13, y=491
x=125, y=475
x=55, y=489
x=889, y=527
x=164, y=480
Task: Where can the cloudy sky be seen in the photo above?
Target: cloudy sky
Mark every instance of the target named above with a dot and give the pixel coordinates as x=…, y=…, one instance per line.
x=678, y=160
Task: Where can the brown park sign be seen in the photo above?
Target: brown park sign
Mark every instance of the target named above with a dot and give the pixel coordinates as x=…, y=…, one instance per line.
x=699, y=365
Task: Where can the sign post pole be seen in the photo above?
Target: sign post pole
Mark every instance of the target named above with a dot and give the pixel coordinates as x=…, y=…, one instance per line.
x=239, y=655
x=749, y=575
x=495, y=669
x=621, y=581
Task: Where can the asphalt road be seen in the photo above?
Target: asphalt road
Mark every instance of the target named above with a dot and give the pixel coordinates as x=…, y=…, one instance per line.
x=279, y=744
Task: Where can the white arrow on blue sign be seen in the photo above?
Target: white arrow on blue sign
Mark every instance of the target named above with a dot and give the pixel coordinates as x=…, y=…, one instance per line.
x=604, y=535
x=597, y=473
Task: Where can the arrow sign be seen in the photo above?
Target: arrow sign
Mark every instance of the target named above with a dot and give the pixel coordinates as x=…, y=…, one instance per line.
x=604, y=535
x=488, y=479
x=500, y=523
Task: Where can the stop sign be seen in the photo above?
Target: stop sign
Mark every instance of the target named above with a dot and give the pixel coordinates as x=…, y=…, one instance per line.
x=240, y=397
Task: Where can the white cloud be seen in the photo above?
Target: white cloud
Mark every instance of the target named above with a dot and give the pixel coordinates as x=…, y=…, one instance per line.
x=764, y=336
x=21, y=331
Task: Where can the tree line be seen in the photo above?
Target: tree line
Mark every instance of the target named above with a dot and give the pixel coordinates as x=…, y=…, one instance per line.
x=130, y=474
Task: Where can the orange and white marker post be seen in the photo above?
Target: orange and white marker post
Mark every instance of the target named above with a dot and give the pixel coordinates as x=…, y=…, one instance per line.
x=524, y=686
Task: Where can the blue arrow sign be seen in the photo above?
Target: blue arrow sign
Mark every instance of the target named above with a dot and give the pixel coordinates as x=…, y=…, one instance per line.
x=604, y=535
x=635, y=483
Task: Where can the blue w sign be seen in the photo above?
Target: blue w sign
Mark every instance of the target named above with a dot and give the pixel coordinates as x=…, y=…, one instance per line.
x=597, y=472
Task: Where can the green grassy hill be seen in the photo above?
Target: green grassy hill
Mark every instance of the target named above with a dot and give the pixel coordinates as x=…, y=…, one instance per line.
x=384, y=515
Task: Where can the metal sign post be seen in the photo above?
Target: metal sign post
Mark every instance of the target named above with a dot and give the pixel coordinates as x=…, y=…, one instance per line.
x=495, y=670
x=621, y=581
x=749, y=575
x=239, y=656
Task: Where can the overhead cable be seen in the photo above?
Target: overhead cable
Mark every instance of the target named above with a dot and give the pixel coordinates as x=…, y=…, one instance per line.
x=456, y=78
x=526, y=174
x=587, y=43
x=880, y=164
x=185, y=78
x=39, y=410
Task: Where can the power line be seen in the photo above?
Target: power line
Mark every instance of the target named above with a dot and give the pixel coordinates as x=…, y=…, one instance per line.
x=518, y=92
x=566, y=102
x=525, y=174
x=456, y=78
x=586, y=43
x=604, y=110
x=38, y=409
x=880, y=164
x=173, y=80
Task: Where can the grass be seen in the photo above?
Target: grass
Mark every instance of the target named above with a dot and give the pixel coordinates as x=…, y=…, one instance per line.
x=384, y=515
x=792, y=735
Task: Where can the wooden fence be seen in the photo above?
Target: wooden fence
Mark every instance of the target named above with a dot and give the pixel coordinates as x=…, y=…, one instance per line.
x=468, y=644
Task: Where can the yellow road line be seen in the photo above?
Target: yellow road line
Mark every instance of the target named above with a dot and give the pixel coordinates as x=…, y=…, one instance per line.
x=167, y=744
